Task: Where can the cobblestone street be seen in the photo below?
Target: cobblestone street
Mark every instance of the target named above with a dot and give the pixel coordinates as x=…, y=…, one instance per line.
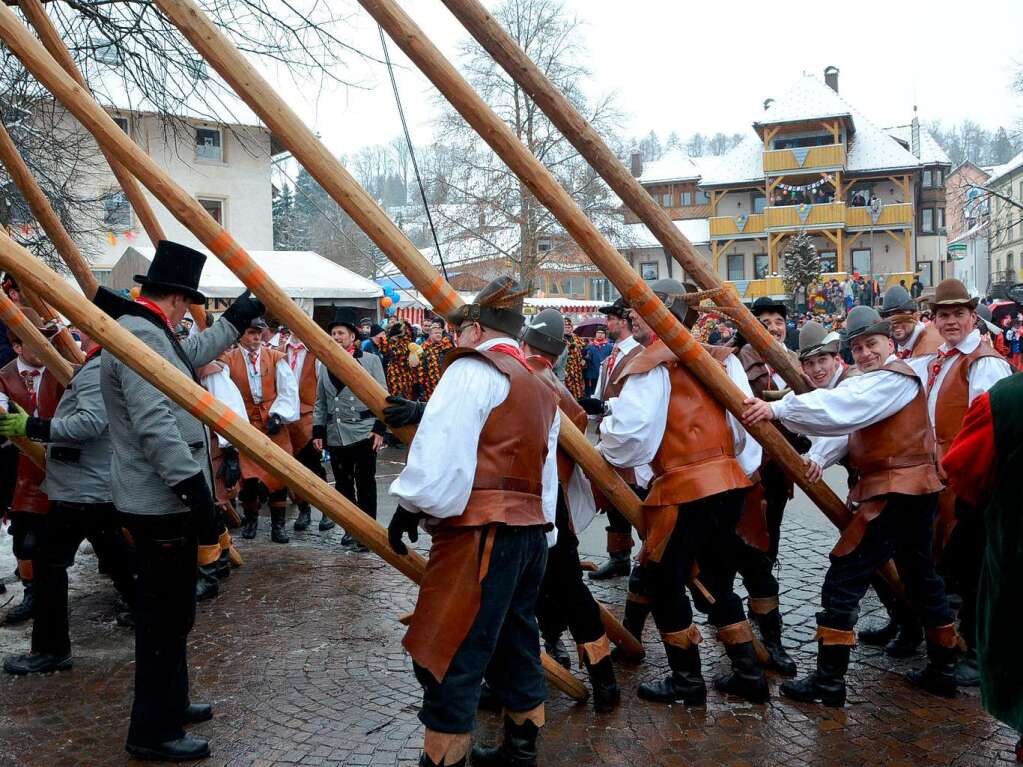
x=301, y=657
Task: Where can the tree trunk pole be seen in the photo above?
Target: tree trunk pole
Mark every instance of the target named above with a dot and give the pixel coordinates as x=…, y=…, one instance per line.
x=545, y=187
x=499, y=44
x=204, y=406
x=328, y=171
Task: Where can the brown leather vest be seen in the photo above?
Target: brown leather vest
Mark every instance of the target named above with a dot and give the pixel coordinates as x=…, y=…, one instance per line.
x=306, y=381
x=27, y=494
x=615, y=379
x=237, y=363
x=896, y=455
x=512, y=448
x=568, y=405
x=757, y=371
x=928, y=342
x=954, y=396
x=696, y=458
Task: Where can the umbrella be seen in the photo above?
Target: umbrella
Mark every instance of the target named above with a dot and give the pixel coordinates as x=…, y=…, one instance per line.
x=588, y=328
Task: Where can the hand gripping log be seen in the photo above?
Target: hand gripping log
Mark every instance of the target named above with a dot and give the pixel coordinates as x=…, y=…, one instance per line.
x=506, y=52
x=328, y=171
x=204, y=406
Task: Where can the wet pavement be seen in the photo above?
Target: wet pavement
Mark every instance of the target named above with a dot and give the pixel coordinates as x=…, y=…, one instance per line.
x=301, y=657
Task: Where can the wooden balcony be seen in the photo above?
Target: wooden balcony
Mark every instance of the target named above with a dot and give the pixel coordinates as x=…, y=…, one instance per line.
x=750, y=290
x=737, y=227
x=826, y=215
x=813, y=158
x=894, y=216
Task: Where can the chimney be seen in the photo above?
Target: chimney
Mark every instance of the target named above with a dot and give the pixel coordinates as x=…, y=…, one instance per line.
x=767, y=104
x=636, y=163
x=831, y=78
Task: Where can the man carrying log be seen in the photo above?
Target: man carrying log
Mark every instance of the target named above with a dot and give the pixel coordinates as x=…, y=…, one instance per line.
x=77, y=484
x=27, y=388
x=487, y=505
x=882, y=416
x=912, y=338
x=161, y=483
x=270, y=390
x=701, y=458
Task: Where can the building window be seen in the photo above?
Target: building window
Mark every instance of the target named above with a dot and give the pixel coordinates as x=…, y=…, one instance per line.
x=923, y=268
x=761, y=265
x=123, y=123
x=648, y=270
x=829, y=261
x=928, y=181
x=117, y=211
x=1010, y=263
x=666, y=200
x=214, y=207
x=686, y=199
x=543, y=245
x=939, y=177
x=941, y=217
x=601, y=289
x=209, y=144
x=861, y=261
x=702, y=198
x=736, y=266
x=927, y=219
x=759, y=202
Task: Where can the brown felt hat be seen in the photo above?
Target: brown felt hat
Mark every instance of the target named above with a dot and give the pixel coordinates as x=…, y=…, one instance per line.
x=952, y=292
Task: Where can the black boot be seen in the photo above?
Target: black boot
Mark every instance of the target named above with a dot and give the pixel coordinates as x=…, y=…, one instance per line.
x=206, y=585
x=277, y=533
x=517, y=750
x=827, y=683
x=606, y=694
x=637, y=609
x=554, y=647
x=326, y=523
x=907, y=640
x=303, y=519
x=425, y=761
x=616, y=566
x=967, y=673
x=24, y=610
x=36, y=663
x=878, y=635
x=489, y=700
x=770, y=634
x=196, y=713
x=184, y=749
x=250, y=524
x=685, y=685
x=747, y=679
x=222, y=566
x=938, y=677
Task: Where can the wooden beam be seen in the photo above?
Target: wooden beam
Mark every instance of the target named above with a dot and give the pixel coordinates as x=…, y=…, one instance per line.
x=840, y=260
x=894, y=236
x=827, y=233
x=839, y=194
x=907, y=236
x=769, y=134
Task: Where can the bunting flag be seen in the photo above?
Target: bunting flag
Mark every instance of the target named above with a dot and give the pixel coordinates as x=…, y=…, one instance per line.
x=740, y=221
x=801, y=152
x=111, y=239
x=803, y=209
x=802, y=187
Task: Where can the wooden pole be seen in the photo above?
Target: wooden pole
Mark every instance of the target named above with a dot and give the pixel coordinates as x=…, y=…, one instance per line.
x=328, y=171
x=63, y=341
x=548, y=191
x=12, y=316
x=503, y=48
x=204, y=406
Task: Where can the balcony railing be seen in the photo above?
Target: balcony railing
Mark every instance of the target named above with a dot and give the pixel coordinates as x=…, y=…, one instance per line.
x=828, y=214
x=815, y=158
x=736, y=226
x=750, y=290
x=894, y=215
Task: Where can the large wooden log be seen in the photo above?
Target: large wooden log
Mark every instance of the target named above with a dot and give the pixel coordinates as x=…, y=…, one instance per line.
x=553, y=196
x=204, y=406
x=506, y=52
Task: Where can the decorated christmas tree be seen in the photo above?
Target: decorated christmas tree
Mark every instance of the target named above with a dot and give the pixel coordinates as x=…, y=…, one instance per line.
x=802, y=266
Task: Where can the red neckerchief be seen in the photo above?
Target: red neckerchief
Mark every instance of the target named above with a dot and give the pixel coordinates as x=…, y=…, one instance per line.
x=155, y=309
x=511, y=350
x=93, y=352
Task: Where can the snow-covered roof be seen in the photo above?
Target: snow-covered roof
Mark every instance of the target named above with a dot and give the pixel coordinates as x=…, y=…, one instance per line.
x=931, y=152
x=300, y=273
x=807, y=99
x=696, y=230
x=742, y=163
x=676, y=165
x=1003, y=170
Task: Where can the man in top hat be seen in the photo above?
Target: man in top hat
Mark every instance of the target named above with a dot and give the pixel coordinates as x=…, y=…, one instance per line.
x=345, y=427
x=701, y=458
x=488, y=504
x=564, y=599
x=161, y=482
x=27, y=389
x=912, y=338
x=304, y=366
x=270, y=390
x=77, y=484
x=961, y=369
x=625, y=348
x=883, y=413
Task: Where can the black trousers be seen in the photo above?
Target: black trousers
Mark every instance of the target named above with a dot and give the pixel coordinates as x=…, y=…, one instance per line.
x=253, y=491
x=355, y=474
x=704, y=532
x=26, y=533
x=616, y=523
x=66, y=526
x=904, y=530
x=8, y=474
x=564, y=599
x=757, y=570
x=309, y=457
x=164, y=614
x=776, y=496
x=503, y=644
x=961, y=563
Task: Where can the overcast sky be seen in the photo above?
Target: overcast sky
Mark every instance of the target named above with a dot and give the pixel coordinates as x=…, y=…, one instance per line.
x=708, y=66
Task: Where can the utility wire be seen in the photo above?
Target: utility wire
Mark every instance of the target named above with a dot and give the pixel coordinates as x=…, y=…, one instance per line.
x=411, y=150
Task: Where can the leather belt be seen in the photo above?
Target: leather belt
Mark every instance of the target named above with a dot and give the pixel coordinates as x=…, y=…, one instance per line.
x=66, y=454
x=895, y=462
x=511, y=484
x=196, y=445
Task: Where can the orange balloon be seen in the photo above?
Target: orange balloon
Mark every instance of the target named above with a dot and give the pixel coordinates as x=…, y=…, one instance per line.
x=386, y=302
x=135, y=292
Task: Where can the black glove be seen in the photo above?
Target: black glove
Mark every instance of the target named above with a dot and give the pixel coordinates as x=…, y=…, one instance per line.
x=230, y=467
x=591, y=405
x=274, y=424
x=195, y=493
x=403, y=412
x=38, y=429
x=403, y=521
x=243, y=311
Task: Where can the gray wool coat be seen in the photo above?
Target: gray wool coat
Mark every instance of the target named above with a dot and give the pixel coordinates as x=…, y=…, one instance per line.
x=156, y=444
x=343, y=415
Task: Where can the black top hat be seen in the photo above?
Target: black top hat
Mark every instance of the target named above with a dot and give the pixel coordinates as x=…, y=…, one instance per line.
x=177, y=269
x=346, y=316
x=768, y=304
x=110, y=302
